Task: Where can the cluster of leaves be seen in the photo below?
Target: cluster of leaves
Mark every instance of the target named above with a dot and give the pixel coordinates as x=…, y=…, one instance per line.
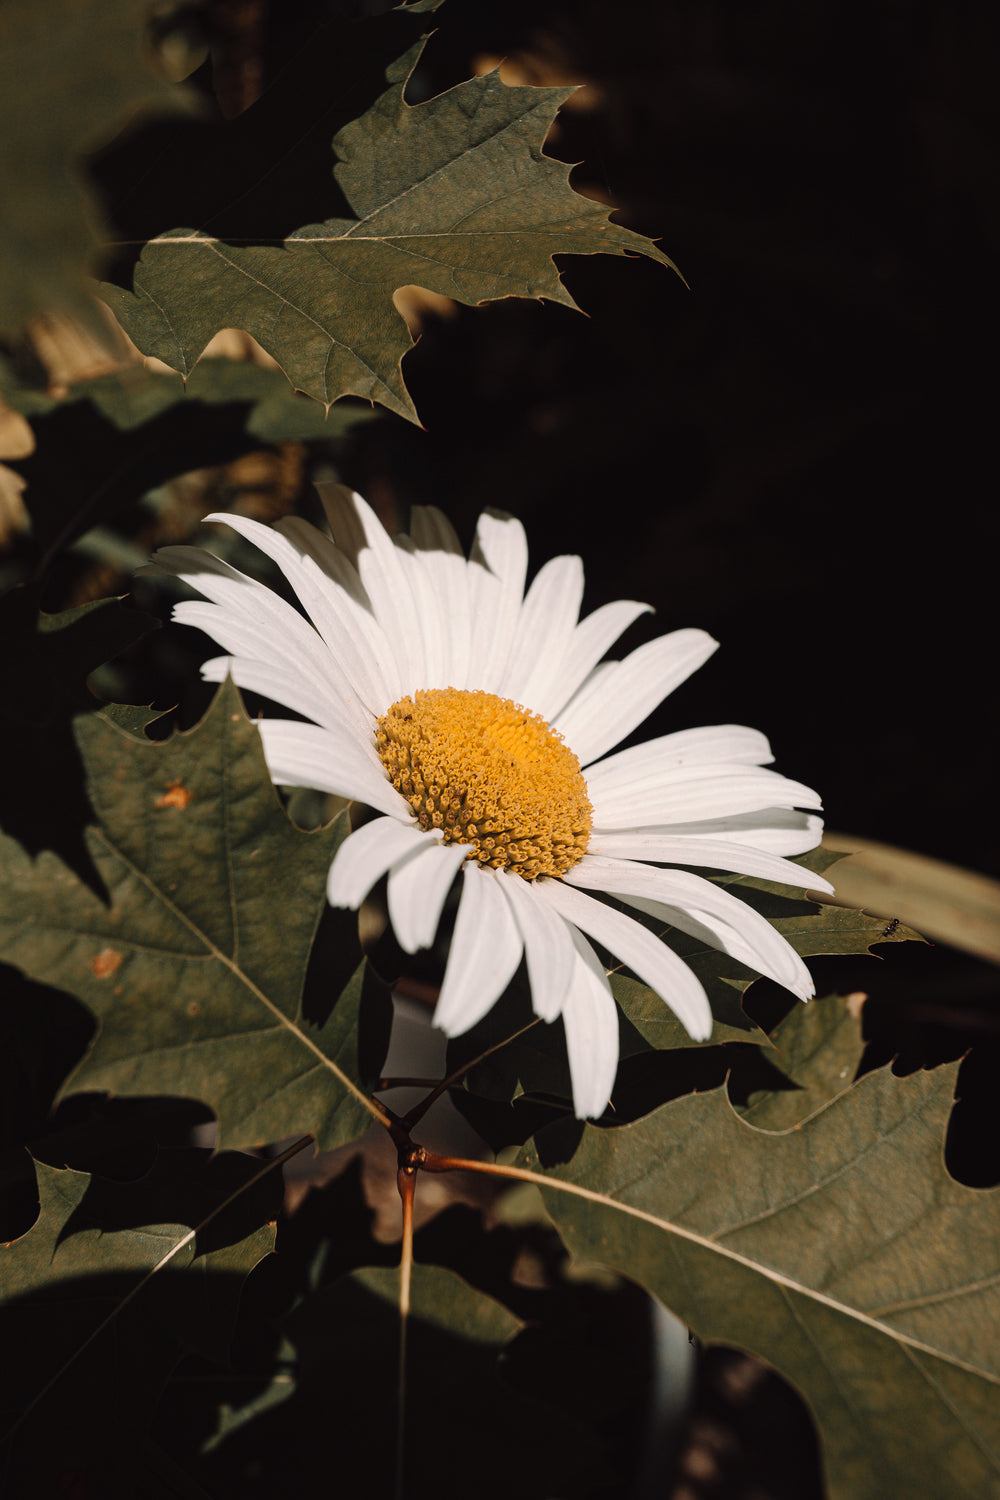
x=753, y=1229
x=172, y=976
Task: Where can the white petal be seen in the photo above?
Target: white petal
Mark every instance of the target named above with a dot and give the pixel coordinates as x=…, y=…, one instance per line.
x=485, y=951
x=308, y=755
x=366, y=855
x=714, y=932
x=497, y=568
x=592, y=637
x=217, y=580
x=711, y=931
x=665, y=847
x=288, y=650
x=590, y=1017
x=444, y=561
x=237, y=596
x=780, y=830
x=691, y=793
x=335, y=603
x=384, y=576
x=343, y=518
x=357, y=640
x=604, y=673
x=282, y=684
x=545, y=628
x=763, y=947
x=603, y=712
x=648, y=763
x=260, y=639
x=654, y=963
x=272, y=630
x=548, y=946
x=418, y=886
x=432, y=611
x=308, y=583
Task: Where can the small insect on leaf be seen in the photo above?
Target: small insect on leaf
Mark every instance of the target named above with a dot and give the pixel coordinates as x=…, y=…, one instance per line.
x=176, y=795
x=891, y=928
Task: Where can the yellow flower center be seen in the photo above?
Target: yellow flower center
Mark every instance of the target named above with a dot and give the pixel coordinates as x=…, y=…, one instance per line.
x=489, y=774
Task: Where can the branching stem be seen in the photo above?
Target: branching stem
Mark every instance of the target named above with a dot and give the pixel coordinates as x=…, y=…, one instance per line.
x=419, y=1110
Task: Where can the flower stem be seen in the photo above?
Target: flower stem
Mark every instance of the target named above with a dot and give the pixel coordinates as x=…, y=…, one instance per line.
x=419, y=1110
x=406, y=1180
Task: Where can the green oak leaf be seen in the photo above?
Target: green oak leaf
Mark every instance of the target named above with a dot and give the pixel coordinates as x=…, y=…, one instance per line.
x=817, y=1050
x=454, y=195
x=84, y=1264
x=112, y=439
x=840, y=930
x=73, y=74
x=194, y=964
x=840, y=1252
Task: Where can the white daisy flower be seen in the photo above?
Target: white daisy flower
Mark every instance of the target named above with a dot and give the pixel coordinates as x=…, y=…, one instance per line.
x=476, y=719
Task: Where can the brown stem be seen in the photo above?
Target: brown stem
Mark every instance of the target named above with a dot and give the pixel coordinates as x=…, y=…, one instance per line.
x=418, y=1111
x=406, y=1181
x=432, y=1162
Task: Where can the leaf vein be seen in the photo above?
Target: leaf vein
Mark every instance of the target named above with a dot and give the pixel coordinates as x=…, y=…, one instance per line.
x=239, y=974
x=988, y=1453
x=933, y=1299
x=779, y=1278
x=879, y=1139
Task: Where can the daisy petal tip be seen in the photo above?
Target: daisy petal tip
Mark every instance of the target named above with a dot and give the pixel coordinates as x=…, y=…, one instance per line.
x=701, y=1029
x=449, y=1026
x=590, y=1109
x=336, y=894
x=700, y=640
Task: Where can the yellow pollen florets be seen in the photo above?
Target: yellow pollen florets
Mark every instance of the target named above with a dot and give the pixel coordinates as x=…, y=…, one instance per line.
x=488, y=773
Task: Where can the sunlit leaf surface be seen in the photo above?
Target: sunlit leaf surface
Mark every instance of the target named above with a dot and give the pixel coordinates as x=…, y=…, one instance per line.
x=816, y=1049
x=194, y=956
x=840, y=1252
x=454, y=195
